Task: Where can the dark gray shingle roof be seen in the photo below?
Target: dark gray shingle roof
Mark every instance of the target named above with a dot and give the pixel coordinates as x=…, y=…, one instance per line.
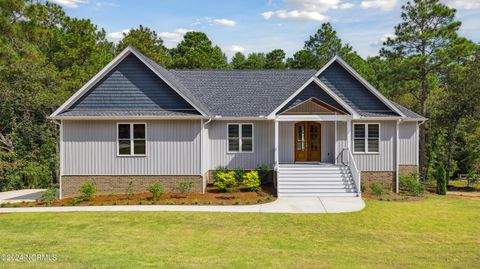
x=247, y=93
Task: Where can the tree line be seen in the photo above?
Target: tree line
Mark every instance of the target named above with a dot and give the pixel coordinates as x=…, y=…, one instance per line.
x=45, y=56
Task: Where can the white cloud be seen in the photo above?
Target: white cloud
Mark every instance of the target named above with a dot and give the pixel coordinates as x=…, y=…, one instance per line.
x=117, y=35
x=173, y=38
x=225, y=22
x=385, y=5
x=69, y=3
x=382, y=39
x=236, y=48
x=463, y=4
x=295, y=14
x=106, y=4
x=307, y=10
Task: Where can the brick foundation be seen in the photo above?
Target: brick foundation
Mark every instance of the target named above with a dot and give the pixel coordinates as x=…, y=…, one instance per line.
x=405, y=170
x=119, y=184
x=384, y=178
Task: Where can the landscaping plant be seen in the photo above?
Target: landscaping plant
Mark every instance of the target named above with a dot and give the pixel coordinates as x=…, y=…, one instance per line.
x=441, y=177
x=185, y=187
x=226, y=181
x=219, y=169
x=156, y=189
x=377, y=189
x=130, y=189
x=88, y=190
x=411, y=184
x=251, y=180
x=49, y=195
x=263, y=173
x=239, y=172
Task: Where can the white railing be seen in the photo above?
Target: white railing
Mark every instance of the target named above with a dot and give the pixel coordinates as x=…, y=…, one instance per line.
x=350, y=162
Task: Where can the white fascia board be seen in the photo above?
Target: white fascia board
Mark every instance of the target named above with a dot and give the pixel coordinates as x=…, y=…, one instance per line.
x=368, y=86
x=92, y=81
x=131, y=117
x=239, y=118
x=314, y=118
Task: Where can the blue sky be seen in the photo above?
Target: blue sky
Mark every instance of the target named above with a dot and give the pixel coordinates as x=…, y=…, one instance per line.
x=260, y=25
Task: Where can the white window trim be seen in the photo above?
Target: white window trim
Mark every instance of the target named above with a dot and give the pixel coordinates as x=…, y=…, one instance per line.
x=366, y=139
x=240, y=137
x=132, y=139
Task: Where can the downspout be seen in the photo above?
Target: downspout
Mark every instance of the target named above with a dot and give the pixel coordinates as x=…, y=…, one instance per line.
x=203, y=156
x=397, y=179
x=60, y=157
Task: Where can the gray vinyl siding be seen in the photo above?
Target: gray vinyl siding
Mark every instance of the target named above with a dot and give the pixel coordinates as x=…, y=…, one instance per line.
x=287, y=141
x=263, y=147
x=384, y=160
x=408, y=143
x=90, y=148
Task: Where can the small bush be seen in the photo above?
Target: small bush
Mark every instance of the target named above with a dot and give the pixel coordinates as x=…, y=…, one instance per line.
x=226, y=181
x=252, y=181
x=472, y=178
x=88, y=190
x=185, y=187
x=76, y=201
x=377, y=189
x=219, y=169
x=263, y=171
x=130, y=191
x=411, y=184
x=441, y=177
x=49, y=195
x=239, y=173
x=156, y=189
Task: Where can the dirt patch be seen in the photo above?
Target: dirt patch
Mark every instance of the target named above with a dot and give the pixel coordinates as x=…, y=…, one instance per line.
x=212, y=197
x=391, y=196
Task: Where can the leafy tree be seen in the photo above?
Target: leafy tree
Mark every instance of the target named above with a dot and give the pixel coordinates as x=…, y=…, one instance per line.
x=428, y=29
x=303, y=59
x=238, y=61
x=275, y=59
x=148, y=42
x=197, y=52
x=255, y=61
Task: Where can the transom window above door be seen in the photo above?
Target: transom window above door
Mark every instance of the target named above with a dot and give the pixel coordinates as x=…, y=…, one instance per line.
x=131, y=139
x=240, y=137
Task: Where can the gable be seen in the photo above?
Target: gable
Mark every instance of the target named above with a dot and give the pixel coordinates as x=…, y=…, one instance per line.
x=312, y=90
x=352, y=91
x=312, y=107
x=132, y=86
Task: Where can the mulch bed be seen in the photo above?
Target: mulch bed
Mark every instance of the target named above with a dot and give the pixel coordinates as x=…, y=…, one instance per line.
x=212, y=197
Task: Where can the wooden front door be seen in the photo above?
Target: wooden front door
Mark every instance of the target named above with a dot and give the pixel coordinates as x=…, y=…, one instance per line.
x=308, y=141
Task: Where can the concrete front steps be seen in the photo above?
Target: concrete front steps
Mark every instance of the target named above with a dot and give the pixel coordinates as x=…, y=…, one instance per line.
x=322, y=180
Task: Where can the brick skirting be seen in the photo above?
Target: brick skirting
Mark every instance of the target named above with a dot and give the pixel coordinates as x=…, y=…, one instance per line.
x=384, y=178
x=405, y=170
x=119, y=184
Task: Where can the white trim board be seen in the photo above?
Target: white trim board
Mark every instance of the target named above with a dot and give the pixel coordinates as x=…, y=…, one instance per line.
x=109, y=67
x=362, y=81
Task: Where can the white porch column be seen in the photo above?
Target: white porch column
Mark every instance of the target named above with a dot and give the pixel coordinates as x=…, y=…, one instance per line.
x=349, y=134
x=276, y=145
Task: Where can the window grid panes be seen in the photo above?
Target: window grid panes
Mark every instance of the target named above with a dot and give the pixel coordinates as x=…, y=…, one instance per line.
x=132, y=139
x=366, y=138
x=240, y=137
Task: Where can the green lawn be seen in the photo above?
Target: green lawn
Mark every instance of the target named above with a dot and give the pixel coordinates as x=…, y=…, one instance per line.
x=436, y=232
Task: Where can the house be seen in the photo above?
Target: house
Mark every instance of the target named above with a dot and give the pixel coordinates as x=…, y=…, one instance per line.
x=321, y=132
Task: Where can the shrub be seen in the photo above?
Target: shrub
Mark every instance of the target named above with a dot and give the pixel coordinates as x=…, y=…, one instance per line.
x=377, y=189
x=156, y=190
x=239, y=172
x=411, y=184
x=130, y=191
x=252, y=181
x=441, y=178
x=185, y=186
x=88, y=190
x=472, y=178
x=219, y=169
x=76, y=201
x=263, y=173
x=226, y=181
x=49, y=195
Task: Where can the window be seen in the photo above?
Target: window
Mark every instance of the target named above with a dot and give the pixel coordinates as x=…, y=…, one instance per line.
x=366, y=138
x=131, y=139
x=240, y=137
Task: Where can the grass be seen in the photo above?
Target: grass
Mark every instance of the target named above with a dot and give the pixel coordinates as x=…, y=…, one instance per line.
x=438, y=232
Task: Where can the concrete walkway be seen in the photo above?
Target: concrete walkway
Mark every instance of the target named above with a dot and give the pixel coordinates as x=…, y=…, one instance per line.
x=281, y=205
x=27, y=195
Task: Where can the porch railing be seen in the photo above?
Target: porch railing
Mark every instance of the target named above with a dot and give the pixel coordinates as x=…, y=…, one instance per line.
x=348, y=160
